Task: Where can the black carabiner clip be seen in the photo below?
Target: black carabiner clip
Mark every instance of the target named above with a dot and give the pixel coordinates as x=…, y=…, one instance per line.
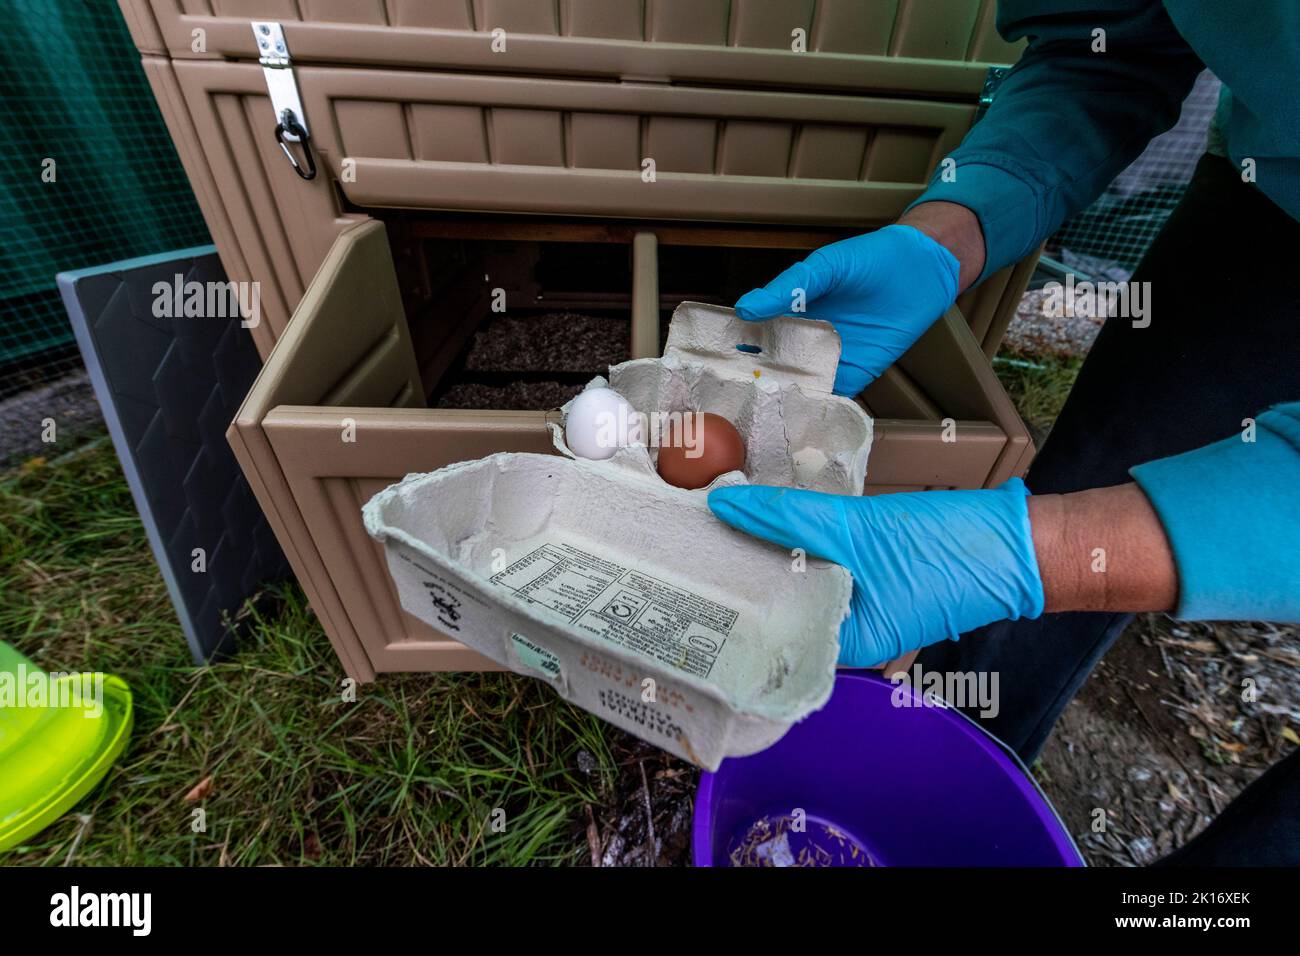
x=289, y=124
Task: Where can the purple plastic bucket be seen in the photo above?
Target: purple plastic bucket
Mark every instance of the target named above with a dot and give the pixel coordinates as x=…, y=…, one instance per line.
x=878, y=785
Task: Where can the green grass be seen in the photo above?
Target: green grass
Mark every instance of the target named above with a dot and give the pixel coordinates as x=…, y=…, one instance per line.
x=412, y=772
x=1037, y=384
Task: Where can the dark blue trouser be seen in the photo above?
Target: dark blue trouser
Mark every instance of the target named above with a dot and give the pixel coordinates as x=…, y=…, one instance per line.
x=1223, y=344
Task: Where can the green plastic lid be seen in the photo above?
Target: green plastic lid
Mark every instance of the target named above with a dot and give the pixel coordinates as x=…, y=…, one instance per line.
x=58, y=737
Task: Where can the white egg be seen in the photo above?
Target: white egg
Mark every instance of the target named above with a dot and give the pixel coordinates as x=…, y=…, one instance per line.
x=600, y=422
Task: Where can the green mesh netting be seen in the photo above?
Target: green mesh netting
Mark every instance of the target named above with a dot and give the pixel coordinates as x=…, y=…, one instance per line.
x=1109, y=238
x=72, y=90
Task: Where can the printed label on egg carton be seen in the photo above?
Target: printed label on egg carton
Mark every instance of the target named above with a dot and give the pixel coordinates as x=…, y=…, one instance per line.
x=772, y=380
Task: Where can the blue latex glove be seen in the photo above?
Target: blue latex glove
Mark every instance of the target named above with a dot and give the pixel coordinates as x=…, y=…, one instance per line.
x=880, y=291
x=927, y=566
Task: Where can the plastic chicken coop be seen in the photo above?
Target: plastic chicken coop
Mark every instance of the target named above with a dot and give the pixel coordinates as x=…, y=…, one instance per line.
x=600, y=158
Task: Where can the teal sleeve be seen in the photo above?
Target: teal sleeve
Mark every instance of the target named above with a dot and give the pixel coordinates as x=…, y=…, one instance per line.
x=1066, y=120
x=1232, y=514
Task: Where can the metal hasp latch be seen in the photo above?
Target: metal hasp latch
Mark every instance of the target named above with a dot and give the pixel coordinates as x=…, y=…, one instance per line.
x=290, y=120
x=993, y=78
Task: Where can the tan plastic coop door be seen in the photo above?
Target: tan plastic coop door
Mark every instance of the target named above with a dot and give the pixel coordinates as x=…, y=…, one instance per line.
x=335, y=416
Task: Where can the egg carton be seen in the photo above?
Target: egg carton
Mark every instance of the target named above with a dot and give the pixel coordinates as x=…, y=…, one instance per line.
x=632, y=601
x=772, y=380
x=624, y=593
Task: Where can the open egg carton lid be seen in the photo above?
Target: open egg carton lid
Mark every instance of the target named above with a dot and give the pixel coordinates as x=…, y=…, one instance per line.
x=772, y=380
x=780, y=351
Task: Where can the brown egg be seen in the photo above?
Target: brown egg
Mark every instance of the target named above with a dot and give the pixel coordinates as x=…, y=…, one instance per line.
x=693, y=455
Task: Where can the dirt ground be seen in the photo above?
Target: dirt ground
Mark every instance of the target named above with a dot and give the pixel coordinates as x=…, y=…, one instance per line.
x=69, y=401
x=1178, y=718
x=1035, y=330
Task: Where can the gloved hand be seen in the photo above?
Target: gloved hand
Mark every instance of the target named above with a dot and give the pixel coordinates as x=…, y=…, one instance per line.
x=926, y=566
x=880, y=291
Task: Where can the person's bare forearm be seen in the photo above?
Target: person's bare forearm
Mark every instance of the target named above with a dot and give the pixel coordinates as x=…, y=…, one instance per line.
x=1102, y=550
x=955, y=228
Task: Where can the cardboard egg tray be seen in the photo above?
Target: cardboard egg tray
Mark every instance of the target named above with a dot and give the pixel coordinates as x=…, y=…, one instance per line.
x=626, y=594
x=772, y=380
